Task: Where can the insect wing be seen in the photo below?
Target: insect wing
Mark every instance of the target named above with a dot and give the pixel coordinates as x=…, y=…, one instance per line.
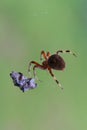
x=22, y=82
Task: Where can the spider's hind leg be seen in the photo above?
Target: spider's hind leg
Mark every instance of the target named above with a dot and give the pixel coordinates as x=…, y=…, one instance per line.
x=66, y=51
x=50, y=71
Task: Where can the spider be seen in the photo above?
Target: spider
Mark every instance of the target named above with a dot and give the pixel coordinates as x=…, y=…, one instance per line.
x=54, y=61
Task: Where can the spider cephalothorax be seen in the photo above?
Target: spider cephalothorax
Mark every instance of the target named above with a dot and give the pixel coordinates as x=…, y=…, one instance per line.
x=54, y=61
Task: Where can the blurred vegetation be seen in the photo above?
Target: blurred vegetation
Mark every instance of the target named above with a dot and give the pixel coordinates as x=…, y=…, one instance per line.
x=27, y=27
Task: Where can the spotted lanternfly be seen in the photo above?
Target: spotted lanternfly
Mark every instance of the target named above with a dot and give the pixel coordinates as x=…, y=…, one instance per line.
x=23, y=82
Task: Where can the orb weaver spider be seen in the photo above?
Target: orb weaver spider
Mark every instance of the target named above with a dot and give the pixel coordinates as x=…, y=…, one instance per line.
x=54, y=61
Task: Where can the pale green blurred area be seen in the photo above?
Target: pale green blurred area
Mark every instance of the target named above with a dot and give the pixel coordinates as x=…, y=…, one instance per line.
x=26, y=28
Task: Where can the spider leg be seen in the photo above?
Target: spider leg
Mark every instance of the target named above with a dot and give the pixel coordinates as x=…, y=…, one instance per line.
x=29, y=66
x=34, y=72
x=51, y=73
x=66, y=51
x=43, y=54
x=36, y=65
x=48, y=55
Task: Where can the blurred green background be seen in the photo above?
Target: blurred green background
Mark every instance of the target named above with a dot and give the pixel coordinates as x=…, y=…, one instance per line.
x=26, y=28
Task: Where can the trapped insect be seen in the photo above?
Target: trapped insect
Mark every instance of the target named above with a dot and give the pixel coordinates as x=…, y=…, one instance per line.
x=23, y=82
x=54, y=61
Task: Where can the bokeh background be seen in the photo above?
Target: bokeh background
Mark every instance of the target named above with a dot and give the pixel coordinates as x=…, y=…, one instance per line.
x=26, y=28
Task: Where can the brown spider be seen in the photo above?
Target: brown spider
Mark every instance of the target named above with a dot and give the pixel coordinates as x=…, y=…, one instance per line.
x=54, y=61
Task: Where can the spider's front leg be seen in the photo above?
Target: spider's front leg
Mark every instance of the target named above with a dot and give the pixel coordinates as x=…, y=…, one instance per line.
x=29, y=67
x=48, y=54
x=34, y=72
x=43, y=54
x=36, y=65
x=51, y=73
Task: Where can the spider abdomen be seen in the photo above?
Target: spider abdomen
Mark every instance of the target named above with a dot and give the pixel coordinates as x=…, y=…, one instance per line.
x=56, y=62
